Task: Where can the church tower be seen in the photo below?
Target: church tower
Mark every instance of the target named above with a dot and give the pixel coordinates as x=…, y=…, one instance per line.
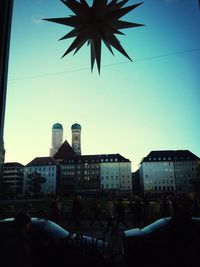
x=57, y=138
x=76, y=138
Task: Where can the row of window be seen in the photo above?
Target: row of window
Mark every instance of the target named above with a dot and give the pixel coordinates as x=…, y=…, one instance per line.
x=169, y=158
x=159, y=188
x=111, y=177
x=157, y=177
x=13, y=169
x=99, y=160
x=186, y=169
x=184, y=188
x=13, y=175
x=13, y=178
x=114, y=178
x=85, y=166
x=72, y=173
x=52, y=168
x=159, y=182
x=160, y=169
x=114, y=186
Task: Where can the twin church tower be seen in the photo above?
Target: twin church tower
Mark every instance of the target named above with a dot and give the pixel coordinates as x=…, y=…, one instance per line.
x=57, y=138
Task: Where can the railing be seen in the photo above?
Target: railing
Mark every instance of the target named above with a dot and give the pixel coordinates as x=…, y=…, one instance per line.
x=110, y=248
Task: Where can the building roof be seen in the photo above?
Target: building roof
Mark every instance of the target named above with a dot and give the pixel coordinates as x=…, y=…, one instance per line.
x=76, y=126
x=41, y=161
x=170, y=155
x=13, y=164
x=65, y=152
x=100, y=158
x=57, y=126
x=104, y=158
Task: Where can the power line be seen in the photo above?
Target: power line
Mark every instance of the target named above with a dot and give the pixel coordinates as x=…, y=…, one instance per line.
x=105, y=65
x=170, y=54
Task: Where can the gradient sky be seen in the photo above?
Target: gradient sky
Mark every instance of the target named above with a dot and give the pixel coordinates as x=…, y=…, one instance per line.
x=131, y=108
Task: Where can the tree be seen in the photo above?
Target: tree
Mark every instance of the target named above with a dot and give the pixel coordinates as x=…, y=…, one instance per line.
x=196, y=186
x=35, y=181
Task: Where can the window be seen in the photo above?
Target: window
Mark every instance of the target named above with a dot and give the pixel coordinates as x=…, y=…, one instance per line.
x=32, y=46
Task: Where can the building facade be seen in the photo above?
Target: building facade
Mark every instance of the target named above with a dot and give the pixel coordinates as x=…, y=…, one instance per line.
x=13, y=177
x=169, y=171
x=48, y=169
x=115, y=173
x=106, y=172
x=67, y=160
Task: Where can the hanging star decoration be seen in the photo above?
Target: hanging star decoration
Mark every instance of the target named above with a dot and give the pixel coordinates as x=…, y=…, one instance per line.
x=94, y=24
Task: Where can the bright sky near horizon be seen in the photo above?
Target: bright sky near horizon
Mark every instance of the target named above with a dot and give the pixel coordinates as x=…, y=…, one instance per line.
x=131, y=108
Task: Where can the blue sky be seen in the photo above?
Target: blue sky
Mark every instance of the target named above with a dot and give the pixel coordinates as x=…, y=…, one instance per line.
x=131, y=108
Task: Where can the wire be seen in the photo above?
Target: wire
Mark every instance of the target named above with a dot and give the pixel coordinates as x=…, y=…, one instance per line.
x=105, y=65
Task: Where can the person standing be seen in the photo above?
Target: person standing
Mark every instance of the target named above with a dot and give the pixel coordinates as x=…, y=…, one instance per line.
x=96, y=212
x=76, y=210
x=120, y=214
x=18, y=247
x=109, y=215
x=147, y=215
x=55, y=209
x=137, y=210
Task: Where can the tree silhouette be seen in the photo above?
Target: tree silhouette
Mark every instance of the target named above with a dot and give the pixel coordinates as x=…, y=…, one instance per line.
x=196, y=186
x=35, y=181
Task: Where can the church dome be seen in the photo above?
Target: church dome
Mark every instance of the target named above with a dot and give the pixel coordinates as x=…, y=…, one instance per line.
x=57, y=126
x=76, y=126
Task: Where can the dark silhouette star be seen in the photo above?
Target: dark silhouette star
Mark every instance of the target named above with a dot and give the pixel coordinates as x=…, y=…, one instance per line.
x=94, y=24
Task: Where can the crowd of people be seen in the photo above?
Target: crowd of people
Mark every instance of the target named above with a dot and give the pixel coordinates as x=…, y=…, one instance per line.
x=113, y=213
x=110, y=215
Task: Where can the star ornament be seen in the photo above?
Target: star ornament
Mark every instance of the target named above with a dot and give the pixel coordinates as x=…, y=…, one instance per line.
x=95, y=24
